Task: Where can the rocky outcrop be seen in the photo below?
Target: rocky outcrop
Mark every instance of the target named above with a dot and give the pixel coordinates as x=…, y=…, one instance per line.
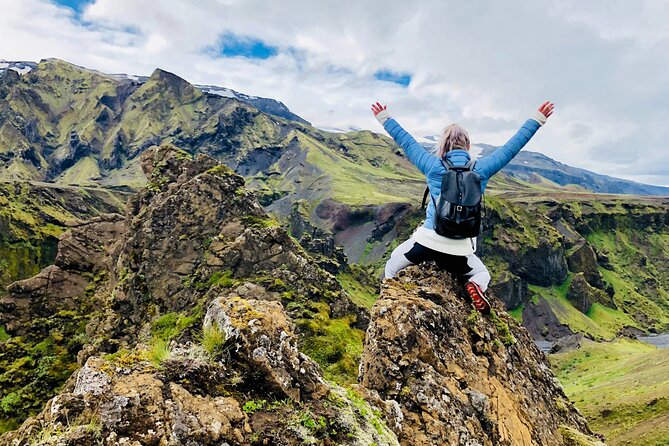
x=251, y=385
x=262, y=336
x=190, y=319
x=582, y=295
x=444, y=374
x=584, y=260
x=62, y=286
x=541, y=322
x=512, y=289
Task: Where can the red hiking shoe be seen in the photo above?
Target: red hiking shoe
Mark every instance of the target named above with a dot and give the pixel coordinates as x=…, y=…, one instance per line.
x=479, y=300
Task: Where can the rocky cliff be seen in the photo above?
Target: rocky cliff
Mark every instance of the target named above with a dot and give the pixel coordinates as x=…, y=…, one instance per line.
x=570, y=262
x=33, y=215
x=195, y=319
x=444, y=374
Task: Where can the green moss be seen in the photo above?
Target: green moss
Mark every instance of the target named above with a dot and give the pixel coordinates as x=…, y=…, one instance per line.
x=373, y=416
x=260, y=222
x=169, y=326
x=33, y=368
x=223, y=279
x=3, y=334
x=503, y=330
x=333, y=343
x=517, y=313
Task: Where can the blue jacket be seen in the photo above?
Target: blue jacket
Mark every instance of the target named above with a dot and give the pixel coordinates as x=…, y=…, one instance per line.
x=433, y=169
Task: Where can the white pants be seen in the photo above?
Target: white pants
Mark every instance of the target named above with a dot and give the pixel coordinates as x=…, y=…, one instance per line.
x=469, y=266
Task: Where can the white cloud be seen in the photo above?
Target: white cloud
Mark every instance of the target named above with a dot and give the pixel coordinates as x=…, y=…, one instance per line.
x=484, y=64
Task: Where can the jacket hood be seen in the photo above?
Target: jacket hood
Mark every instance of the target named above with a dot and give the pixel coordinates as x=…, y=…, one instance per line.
x=458, y=157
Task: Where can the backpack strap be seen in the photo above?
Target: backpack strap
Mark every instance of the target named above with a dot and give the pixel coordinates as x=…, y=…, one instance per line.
x=449, y=165
x=427, y=191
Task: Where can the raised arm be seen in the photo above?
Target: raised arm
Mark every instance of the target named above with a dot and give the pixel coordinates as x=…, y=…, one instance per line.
x=420, y=157
x=493, y=163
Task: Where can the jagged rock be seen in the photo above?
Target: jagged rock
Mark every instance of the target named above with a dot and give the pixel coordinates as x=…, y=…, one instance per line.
x=62, y=286
x=583, y=260
x=459, y=377
x=262, y=333
x=512, y=290
x=87, y=245
x=133, y=406
x=582, y=295
x=193, y=237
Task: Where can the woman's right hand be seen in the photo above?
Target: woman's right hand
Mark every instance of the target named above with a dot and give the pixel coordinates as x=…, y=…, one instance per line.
x=380, y=112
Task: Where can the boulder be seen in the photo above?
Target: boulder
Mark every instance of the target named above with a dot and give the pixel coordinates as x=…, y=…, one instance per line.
x=262, y=335
x=582, y=295
x=584, y=260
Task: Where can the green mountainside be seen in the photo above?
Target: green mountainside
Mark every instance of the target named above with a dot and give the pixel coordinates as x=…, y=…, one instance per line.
x=66, y=124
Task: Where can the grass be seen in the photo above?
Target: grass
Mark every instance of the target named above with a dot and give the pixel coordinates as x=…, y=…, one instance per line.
x=333, y=343
x=361, y=294
x=159, y=352
x=171, y=325
x=622, y=387
x=517, y=313
x=355, y=181
x=600, y=322
x=213, y=339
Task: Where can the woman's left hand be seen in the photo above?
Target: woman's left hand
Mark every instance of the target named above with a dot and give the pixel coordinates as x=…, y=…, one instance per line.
x=546, y=108
x=380, y=112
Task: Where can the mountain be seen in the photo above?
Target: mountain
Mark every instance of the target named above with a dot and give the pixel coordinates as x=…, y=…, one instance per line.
x=537, y=168
x=69, y=125
x=266, y=105
x=195, y=319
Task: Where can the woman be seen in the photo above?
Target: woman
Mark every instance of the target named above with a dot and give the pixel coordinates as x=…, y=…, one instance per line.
x=456, y=256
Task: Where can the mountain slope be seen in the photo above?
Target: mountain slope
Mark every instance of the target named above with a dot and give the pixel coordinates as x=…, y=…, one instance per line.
x=65, y=124
x=537, y=168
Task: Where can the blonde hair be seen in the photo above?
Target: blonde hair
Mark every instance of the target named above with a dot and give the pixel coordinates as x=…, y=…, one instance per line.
x=453, y=137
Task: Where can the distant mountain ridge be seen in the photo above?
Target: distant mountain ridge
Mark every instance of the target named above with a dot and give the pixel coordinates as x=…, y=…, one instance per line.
x=266, y=105
x=535, y=167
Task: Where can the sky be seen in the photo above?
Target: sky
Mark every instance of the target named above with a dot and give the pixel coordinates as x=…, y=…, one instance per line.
x=484, y=64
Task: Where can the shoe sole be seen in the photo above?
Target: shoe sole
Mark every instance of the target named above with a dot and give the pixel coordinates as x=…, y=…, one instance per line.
x=479, y=300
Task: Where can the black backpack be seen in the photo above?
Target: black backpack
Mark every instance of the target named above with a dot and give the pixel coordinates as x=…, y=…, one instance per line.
x=458, y=209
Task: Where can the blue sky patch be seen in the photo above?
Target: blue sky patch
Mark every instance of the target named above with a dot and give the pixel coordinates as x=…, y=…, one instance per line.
x=403, y=79
x=77, y=5
x=231, y=45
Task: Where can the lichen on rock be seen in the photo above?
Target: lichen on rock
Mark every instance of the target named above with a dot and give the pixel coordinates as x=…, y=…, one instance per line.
x=456, y=376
